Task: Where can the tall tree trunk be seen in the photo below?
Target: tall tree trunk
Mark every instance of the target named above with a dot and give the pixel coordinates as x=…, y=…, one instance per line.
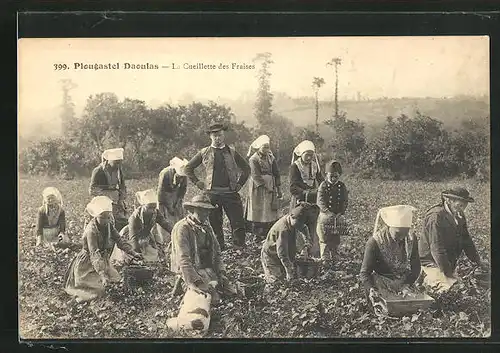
x=317, y=109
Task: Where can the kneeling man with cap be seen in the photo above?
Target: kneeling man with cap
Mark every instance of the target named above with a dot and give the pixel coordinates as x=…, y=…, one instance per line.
x=444, y=238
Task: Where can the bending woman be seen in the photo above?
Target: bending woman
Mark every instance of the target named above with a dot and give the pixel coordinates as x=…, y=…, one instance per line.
x=138, y=231
x=391, y=262
x=90, y=271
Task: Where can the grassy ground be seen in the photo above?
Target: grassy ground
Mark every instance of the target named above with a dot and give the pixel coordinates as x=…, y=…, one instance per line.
x=332, y=305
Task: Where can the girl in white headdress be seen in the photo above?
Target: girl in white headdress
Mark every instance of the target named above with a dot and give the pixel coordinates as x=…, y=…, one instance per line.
x=172, y=186
x=138, y=231
x=51, y=225
x=391, y=262
x=107, y=180
x=264, y=190
x=305, y=178
x=91, y=271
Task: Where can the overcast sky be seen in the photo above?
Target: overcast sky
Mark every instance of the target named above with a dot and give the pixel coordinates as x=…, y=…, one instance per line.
x=373, y=66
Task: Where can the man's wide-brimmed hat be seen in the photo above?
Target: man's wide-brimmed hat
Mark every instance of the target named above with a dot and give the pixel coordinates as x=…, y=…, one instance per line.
x=216, y=127
x=459, y=193
x=199, y=201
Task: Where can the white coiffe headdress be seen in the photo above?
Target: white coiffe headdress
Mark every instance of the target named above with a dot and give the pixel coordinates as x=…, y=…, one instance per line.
x=52, y=191
x=113, y=154
x=302, y=148
x=98, y=205
x=258, y=143
x=146, y=197
x=395, y=216
x=179, y=165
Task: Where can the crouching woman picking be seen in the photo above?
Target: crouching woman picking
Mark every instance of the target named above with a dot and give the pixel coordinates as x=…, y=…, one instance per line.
x=91, y=271
x=391, y=263
x=280, y=247
x=51, y=225
x=138, y=231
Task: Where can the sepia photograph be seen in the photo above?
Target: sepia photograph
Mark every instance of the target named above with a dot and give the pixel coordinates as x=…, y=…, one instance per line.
x=254, y=187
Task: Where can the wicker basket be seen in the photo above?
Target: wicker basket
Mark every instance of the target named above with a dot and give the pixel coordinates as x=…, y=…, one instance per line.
x=307, y=268
x=250, y=286
x=137, y=276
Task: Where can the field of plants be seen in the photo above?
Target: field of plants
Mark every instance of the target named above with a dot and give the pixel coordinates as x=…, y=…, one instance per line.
x=331, y=305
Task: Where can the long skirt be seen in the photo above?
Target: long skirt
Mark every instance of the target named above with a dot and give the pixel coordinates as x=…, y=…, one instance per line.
x=172, y=218
x=120, y=257
x=261, y=206
x=81, y=279
x=437, y=280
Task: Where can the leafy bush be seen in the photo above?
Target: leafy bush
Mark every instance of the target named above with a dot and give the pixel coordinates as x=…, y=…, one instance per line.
x=403, y=148
x=52, y=156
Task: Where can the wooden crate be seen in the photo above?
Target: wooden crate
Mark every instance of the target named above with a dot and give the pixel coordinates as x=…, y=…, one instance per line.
x=398, y=306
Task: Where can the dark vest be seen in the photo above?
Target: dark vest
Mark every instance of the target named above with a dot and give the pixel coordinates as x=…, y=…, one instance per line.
x=208, y=157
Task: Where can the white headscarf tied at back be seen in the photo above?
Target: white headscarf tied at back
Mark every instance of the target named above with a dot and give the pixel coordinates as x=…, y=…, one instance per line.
x=113, y=154
x=46, y=194
x=98, y=205
x=146, y=197
x=302, y=148
x=179, y=165
x=400, y=216
x=52, y=191
x=258, y=143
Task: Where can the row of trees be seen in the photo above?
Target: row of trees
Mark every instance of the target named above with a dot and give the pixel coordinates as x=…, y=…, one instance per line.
x=404, y=147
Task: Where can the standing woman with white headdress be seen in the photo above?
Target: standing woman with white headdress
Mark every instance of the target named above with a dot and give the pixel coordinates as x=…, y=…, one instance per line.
x=305, y=178
x=51, y=225
x=91, y=271
x=264, y=190
x=172, y=186
x=107, y=180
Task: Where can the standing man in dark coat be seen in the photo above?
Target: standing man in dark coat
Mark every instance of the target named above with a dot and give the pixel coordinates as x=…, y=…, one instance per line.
x=444, y=238
x=226, y=173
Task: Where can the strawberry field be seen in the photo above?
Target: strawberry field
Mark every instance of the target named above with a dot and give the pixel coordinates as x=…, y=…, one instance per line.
x=331, y=305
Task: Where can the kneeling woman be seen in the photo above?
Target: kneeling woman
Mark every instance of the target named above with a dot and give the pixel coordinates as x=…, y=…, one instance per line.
x=90, y=271
x=279, y=249
x=391, y=263
x=138, y=231
x=51, y=224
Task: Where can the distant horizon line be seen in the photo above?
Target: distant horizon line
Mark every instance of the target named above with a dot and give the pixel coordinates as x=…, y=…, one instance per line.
x=157, y=102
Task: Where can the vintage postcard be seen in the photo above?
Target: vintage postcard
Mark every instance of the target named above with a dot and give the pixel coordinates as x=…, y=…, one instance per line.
x=295, y=187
